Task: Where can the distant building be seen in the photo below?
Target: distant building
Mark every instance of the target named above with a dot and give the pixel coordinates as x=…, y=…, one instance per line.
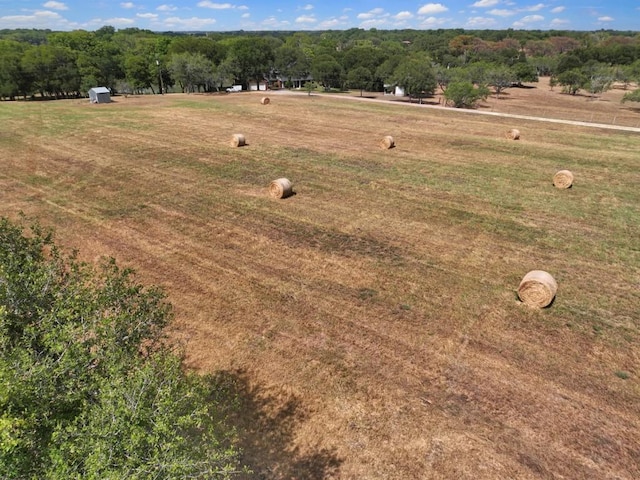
x=253, y=85
x=99, y=95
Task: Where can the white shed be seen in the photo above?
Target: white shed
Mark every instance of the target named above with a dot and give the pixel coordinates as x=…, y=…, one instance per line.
x=99, y=95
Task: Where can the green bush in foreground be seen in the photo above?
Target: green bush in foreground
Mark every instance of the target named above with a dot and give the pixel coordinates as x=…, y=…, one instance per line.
x=89, y=386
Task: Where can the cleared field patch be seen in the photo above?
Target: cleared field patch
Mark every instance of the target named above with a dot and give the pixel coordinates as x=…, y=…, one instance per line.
x=371, y=321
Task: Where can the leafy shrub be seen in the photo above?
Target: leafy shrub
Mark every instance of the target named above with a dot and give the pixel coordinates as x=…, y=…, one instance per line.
x=89, y=385
x=465, y=94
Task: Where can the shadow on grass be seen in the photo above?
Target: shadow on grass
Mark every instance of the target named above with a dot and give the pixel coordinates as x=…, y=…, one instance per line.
x=266, y=421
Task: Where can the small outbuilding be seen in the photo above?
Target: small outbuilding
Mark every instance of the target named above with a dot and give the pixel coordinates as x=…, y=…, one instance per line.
x=99, y=95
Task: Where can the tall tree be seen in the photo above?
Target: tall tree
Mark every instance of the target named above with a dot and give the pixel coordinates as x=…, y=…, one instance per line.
x=416, y=76
x=292, y=62
x=360, y=78
x=14, y=80
x=192, y=71
x=252, y=59
x=500, y=77
x=89, y=386
x=326, y=70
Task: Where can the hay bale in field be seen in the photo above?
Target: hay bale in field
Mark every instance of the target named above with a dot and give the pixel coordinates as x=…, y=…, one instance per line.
x=238, y=140
x=265, y=100
x=387, y=142
x=513, y=134
x=281, y=188
x=563, y=179
x=537, y=289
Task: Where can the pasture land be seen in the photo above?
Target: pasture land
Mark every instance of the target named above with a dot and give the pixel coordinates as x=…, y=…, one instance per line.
x=370, y=322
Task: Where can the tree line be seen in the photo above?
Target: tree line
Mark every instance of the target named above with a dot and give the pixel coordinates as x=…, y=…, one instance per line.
x=466, y=64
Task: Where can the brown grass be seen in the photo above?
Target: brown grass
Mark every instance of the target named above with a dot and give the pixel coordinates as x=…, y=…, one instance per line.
x=370, y=324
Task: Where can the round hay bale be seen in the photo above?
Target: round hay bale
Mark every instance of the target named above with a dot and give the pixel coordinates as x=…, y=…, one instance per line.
x=281, y=188
x=537, y=289
x=513, y=134
x=387, y=142
x=563, y=179
x=238, y=140
x=265, y=100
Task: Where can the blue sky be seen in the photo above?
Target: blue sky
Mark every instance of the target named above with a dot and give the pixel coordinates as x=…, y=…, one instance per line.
x=189, y=15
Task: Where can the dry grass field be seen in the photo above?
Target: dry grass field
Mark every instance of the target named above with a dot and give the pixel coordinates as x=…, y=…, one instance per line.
x=369, y=323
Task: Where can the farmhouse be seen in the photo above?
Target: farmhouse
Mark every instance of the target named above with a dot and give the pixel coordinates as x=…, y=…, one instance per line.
x=99, y=95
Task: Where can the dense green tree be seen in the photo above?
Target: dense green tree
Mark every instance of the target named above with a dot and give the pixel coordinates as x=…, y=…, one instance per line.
x=192, y=71
x=463, y=94
x=14, y=80
x=598, y=77
x=326, y=70
x=213, y=50
x=139, y=72
x=416, y=76
x=292, y=62
x=251, y=58
x=53, y=69
x=545, y=66
x=525, y=72
x=568, y=62
x=571, y=80
x=360, y=78
x=500, y=77
x=89, y=386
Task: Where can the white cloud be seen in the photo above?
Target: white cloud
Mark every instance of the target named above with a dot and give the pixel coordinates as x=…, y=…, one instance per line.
x=127, y=5
x=498, y=12
x=148, y=16
x=403, y=15
x=307, y=7
x=524, y=21
x=370, y=14
x=306, y=19
x=193, y=23
x=215, y=6
x=55, y=6
x=167, y=8
x=485, y=4
x=605, y=19
x=374, y=22
x=38, y=19
x=332, y=23
x=273, y=22
x=432, y=22
x=557, y=22
x=431, y=8
x=557, y=10
x=245, y=15
x=481, y=22
x=119, y=21
x=242, y=7
x=534, y=8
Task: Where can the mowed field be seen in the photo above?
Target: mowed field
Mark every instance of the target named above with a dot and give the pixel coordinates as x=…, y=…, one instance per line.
x=369, y=324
